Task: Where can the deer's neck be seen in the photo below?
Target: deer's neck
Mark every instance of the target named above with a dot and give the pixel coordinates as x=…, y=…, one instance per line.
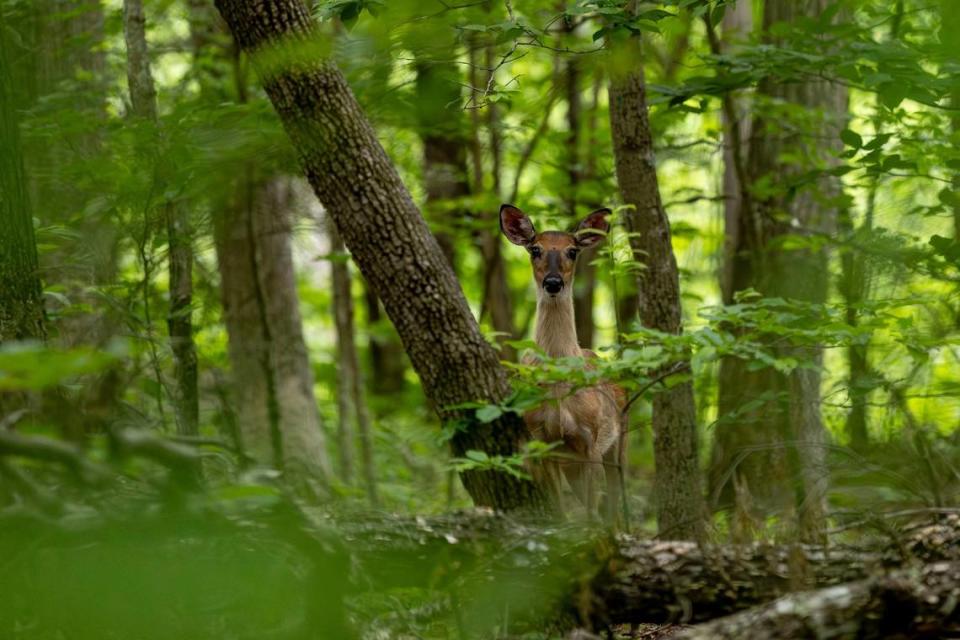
x=556, y=331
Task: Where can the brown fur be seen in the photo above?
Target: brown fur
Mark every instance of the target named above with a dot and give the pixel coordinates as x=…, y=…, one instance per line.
x=588, y=422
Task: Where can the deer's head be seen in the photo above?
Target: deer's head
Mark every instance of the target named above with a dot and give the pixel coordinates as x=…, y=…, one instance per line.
x=553, y=254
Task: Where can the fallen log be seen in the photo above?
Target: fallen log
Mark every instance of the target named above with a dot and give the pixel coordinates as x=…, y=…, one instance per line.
x=917, y=602
x=598, y=580
x=644, y=581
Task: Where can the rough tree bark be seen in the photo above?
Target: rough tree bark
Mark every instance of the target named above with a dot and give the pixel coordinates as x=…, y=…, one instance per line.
x=664, y=582
x=21, y=293
x=678, y=487
x=272, y=379
x=785, y=468
x=911, y=603
x=351, y=401
x=389, y=240
x=143, y=99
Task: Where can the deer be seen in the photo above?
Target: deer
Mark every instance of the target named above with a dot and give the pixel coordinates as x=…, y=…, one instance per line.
x=586, y=425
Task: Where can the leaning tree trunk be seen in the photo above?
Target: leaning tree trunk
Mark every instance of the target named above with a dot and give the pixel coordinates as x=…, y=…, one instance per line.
x=677, y=488
x=785, y=467
x=351, y=400
x=272, y=378
x=143, y=99
x=21, y=294
x=390, y=242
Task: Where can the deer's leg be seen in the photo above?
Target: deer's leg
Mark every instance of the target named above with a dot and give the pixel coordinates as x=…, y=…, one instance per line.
x=582, y=474
x=592, y=479
x=615, y=469
x=554, y=485
x=546, y=473
x=573, y=470
x=611, y=472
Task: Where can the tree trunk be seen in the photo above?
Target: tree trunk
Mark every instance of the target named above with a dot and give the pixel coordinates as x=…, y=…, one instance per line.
x=143, y=99
x=677, y=488
x=65, y=40
x=343, y=320
x=586, y=278
x=497, y=298
x=387, y=360
x=272, y=379
x=59, y=41
x=785, y=467
x=854, y=286
x=444, y=148
x=351, y=401
x=389, y=240
x=737, y=25
x=180, y=320
x=21, y=293
x=49, y=42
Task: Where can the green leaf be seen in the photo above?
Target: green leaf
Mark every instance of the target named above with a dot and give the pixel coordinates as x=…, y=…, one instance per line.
x=948, y=197
x=716, y=16
x=878, y=141
x=892, y=94
x=851, y=138
x=489, y=413
x=477, y=456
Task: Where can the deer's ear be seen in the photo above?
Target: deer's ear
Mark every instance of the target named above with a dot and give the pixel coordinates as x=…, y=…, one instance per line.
x=594, y=228
x=516, y=225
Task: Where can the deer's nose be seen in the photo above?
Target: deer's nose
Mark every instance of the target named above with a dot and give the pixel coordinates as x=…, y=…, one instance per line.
x=552, y=283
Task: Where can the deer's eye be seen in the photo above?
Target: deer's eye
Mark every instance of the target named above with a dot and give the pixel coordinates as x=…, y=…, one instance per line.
x=535, y=252
x=572, y=254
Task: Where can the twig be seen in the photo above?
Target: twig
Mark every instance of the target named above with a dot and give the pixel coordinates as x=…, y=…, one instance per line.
x=677, y=368
x=532, y=144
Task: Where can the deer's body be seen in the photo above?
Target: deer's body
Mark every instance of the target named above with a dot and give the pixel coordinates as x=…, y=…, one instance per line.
x=586, y=423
